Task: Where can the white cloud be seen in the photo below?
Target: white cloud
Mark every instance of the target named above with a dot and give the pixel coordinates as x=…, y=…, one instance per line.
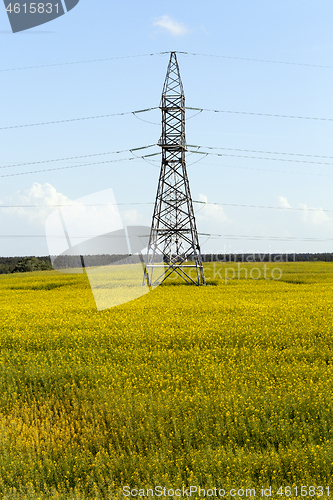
x=134, y=218
x=211, y=213
x=313, y=215
x=283, y=202
x=130, y=217
x=310, y=215
x=168, y=25
x=37, y=195
x=82, y=222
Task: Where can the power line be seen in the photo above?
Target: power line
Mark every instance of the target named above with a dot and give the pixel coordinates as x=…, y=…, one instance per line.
x=65, y=237
x=146, y=121
x=77, y=166
x=151, y=203
x=78, y=205
x=83, y=62
x=68, y=120
x=309, y=65
x=263, y=152
x=77, y=157
x=192, y=152
x=261, y=114
x=262, y=206
x=263, y=169
x=144, y=157
x=77, y=119
x=279, y=238
x=259, y=157
x=237, y=58
x=225, y=236
x=157, y=107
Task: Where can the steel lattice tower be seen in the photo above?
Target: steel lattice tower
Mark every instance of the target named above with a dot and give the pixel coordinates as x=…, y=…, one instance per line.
x=173, y=242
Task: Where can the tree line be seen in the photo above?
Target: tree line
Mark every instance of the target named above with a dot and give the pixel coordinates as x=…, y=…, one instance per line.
x=28, y=264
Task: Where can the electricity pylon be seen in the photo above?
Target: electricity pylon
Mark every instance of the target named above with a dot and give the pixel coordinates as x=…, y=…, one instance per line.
x=173, y=243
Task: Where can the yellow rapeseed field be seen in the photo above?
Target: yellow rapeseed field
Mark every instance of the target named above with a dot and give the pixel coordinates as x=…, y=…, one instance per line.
x=224, y=386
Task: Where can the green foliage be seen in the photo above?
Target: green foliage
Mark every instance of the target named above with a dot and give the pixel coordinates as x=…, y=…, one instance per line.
x=7, y=264
x=30, y=264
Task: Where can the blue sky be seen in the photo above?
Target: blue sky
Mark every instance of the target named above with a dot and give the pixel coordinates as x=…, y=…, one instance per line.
x=287, y=31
